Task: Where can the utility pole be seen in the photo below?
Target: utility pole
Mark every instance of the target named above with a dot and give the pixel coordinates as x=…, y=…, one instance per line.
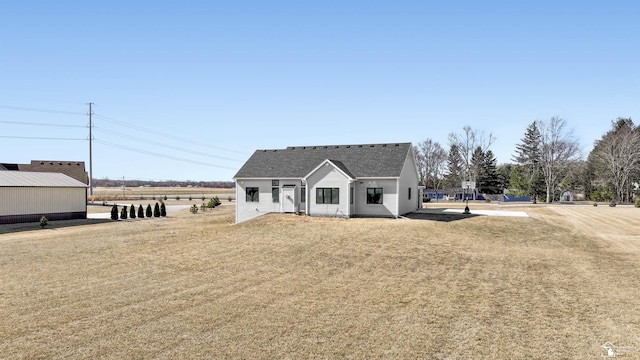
x=90, y=153
x=123, y=187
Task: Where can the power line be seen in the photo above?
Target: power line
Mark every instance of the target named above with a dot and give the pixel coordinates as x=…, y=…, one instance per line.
x=38, y=138
x=20, y=108
x=40, y=124
x=162, y=145
x=161, y=155
x=190, y=141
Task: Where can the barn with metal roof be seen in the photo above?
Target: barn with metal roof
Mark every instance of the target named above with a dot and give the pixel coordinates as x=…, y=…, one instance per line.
x=27, y=196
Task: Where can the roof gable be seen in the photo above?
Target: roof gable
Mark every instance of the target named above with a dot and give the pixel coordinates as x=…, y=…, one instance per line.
x=371, y=160
x=336, y=164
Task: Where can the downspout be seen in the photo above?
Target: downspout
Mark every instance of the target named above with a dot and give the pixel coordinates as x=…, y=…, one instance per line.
x=306, y=194
x=237, y=205
x=397, y=197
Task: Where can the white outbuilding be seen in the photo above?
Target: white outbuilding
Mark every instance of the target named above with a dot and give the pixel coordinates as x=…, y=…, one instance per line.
x=27, y=196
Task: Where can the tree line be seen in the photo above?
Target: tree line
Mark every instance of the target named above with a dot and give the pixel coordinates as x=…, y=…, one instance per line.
x=546, y=161
x=106, y=182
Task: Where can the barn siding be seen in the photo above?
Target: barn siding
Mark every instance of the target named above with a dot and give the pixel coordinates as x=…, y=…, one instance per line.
x=26, y=203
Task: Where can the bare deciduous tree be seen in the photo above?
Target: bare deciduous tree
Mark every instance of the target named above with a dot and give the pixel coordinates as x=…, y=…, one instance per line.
x=618, y=155
x=467, y=142
x=558, y=149
x=432, y=161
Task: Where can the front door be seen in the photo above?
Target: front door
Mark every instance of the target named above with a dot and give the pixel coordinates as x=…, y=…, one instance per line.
x=289, y=199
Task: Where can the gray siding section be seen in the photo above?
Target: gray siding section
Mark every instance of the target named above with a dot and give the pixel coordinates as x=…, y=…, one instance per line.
x=408, y=179
x=389, y=197
x=328, y=176
x=25, y=203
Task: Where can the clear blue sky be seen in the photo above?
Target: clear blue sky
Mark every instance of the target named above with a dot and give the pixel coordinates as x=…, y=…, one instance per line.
x=245, y=75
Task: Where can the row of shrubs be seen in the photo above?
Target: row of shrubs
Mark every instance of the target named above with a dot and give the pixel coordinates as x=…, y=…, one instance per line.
x=141, y=197
x=158, y=210
x=613, y=203
x=215, y=201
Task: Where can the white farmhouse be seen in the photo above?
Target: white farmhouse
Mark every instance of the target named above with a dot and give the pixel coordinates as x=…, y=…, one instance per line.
x=373, y=180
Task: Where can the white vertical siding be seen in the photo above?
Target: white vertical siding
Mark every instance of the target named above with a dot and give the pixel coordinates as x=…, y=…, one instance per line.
x=249, y=210
x=389, y=197
x=41, y=200
x=327, y=176
x=408, y=179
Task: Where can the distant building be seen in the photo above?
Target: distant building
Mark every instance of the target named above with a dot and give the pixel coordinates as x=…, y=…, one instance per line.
x=27, y=196
x=73, y=169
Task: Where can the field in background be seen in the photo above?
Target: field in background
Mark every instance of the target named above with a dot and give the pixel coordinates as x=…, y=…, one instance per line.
x=148, y=193
x=556, y=285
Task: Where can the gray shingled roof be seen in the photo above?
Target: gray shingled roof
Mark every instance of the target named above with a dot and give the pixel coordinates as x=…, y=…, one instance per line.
x=37, y=179
x=371, y=160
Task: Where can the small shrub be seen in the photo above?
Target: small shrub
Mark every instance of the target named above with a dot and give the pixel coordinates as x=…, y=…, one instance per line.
x=123, y=214
x=149, y=213
x=165, y=197
x=595, y=204
x=229, y=198
x=163, y=210
x=153, y=197
x=203, y=197
x=156, y=210
x=132, y=212
x=140, y=212
x=215, y=201
x=177, y=197
x=426, y=199
x=613, y=204
x=194, y=209
x=43, y=221
x=203, y=207
x=487, y=200
x=190, y=198
x=637, y=203
x=114, y=212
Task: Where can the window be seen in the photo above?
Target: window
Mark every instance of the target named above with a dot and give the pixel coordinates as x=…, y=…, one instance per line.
x=374, y=195
x=275, y=194
x=303, y=194
x=253, y=195
x=409, y=193
x=327, y=196
x=275, y=182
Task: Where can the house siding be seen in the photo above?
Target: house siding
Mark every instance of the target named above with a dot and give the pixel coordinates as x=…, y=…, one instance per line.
x=249, y=210
x=327, y=176
x=408, y=179
x=389, y=198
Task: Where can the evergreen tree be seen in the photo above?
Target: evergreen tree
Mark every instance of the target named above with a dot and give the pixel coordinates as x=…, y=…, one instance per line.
x=114, y=212
x=149, y=213
x=140, y=212
x=476, y=169
x=490, y=180
x=156, y=210
x=528, y=179
x=163, y=210
x=123, y=214
x=504, y=175
x=454, y=167
x=132, y=213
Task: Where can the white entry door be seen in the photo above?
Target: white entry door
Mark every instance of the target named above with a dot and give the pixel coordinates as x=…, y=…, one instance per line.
x=289, y=199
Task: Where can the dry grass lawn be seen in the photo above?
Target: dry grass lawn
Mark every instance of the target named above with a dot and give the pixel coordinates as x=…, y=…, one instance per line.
x=556, y=285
